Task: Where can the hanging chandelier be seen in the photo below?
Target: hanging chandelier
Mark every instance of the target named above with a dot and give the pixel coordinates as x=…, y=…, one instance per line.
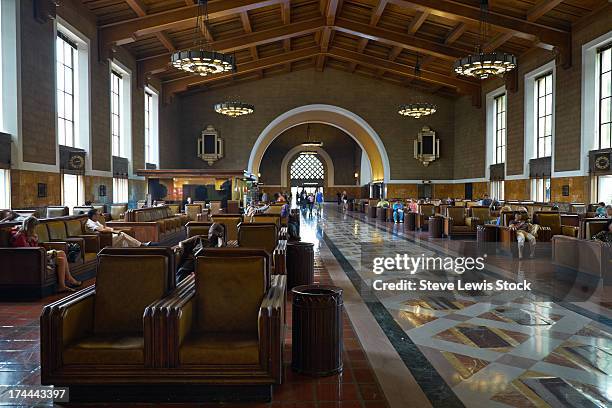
x=484, y=64
x=417, y=109
x=234, y=109
x=202, y=60
x=309, y=142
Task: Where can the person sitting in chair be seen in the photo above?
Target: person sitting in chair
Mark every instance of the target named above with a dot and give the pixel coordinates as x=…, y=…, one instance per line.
x=25, y=236
x=120, y=239
x=601, y=211
x=194, y=246
x=398, y=211
x=605, y=235
x=525, y=230
x=253, y=210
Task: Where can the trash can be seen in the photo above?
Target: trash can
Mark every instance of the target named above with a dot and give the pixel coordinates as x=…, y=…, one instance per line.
x=317, y=330
x=300, y=264
x=436, y=227
x=410, y=221
x=381, y=213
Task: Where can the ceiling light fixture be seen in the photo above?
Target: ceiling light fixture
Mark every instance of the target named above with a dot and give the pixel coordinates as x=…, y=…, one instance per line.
x=484, y=64
x=417, y=109
x=202, y=60
x=234, y=109
x=309, y=142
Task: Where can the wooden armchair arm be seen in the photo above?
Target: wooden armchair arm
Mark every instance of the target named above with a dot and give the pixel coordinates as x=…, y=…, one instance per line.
x=91, y=242
x=158, y=324
x=544, y=234
x=62, y=323
x=27, y=258
x=56, y=245
x=280, y=258
x=272, y=327
x=448, y=225
x=473, y=222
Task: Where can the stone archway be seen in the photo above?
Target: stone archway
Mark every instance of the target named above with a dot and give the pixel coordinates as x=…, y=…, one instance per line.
x=352, y=124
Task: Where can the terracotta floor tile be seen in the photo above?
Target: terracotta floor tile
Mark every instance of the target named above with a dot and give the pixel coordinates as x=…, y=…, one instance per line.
x=337, y=392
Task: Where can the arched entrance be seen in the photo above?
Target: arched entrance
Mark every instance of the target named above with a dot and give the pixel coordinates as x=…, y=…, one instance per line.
x=350, y=123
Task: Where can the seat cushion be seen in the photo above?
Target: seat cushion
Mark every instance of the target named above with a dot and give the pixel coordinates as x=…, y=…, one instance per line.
x=74, y=228
x=109, y=349
x=90, y=256
x=57, y=229
x=220, y=348
x=262, y=236
x=461, y=228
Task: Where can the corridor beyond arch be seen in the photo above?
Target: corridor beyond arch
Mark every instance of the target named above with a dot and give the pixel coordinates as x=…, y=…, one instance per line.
x=347, y=121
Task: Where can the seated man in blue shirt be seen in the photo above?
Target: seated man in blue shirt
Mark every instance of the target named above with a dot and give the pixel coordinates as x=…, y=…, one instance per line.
x=398, y=212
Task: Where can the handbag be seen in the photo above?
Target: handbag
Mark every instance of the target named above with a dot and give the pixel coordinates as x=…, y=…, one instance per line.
x=74, y=251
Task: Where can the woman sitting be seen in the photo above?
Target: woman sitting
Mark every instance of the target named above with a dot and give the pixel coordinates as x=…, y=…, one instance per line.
x=524, y=231
x=25, y=236
x=604, y=235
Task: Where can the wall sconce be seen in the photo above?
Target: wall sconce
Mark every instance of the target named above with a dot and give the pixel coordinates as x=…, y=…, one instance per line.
x=356, y=175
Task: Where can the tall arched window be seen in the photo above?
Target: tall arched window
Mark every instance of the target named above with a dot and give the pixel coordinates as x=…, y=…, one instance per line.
x=307, y=167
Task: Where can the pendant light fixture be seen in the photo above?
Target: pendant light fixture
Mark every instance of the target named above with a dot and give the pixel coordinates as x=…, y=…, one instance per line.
x=234, y=108
x=310, y=144
x=481, y=64
x=417, y=109
x=201, y=60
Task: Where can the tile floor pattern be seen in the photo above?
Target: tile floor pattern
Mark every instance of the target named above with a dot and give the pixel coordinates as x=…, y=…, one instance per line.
x=355, y=387
x=491, y=349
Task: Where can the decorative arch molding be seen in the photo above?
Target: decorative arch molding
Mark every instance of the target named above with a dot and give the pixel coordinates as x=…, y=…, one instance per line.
x=347, y=121
x=327, y=160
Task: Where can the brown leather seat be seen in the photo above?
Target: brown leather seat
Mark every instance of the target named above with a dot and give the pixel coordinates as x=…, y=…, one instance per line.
x=424, y=211
x=192, y=211
x=103, y=326
x=552, y=220
x=57, y=211
x=230, y=327
x=197, y=228
x=457, y=224
x=264, y=236
x=230, y=222
x=117, y=211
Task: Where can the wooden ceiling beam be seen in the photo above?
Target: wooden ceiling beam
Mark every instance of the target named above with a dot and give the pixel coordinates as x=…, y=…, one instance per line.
x=455, y=33
x=409, y=42
x=160, y=63
x=127, y=31
x=141, y=10
x=377, y=12
x=496, y=42
x=454, y=10
x=417, y=21
x=540, y=8
x=332, y=9
x=182, y=84
x=463, y=86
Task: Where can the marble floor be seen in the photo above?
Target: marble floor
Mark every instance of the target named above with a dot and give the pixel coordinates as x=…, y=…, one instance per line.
x=474, y=348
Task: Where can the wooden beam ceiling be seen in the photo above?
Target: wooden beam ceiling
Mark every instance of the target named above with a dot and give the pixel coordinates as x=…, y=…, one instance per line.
x=129, y=30
x=342, y=27
x=171, y=87
x=161, y=62
x=456, y=11
x=540, y=8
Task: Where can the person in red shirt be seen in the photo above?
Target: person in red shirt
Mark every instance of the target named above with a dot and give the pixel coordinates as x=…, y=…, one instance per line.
x=25, y=236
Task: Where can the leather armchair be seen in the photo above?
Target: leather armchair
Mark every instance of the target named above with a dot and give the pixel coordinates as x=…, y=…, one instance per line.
x=552, y=220
x=479, y=215
x=193, y=210
x=56, y=211
x=264, y=236
x=99, y=335
x=117, y=211
x=55, y=237
x=195, y=228
x=457, y=224
x=230, y=222
x=424, y=211
x=591, y=226
x=228, y=331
